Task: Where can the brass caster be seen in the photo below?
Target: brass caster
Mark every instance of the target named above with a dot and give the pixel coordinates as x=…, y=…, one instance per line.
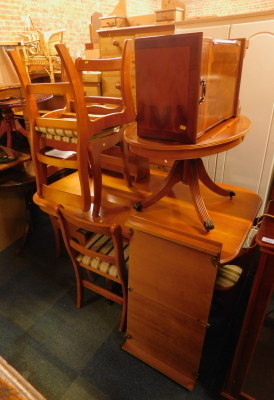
x=138, y=206
x=208, y=225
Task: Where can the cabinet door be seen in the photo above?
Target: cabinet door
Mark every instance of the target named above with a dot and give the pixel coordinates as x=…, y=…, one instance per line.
x=250, y=164
x=168, y=101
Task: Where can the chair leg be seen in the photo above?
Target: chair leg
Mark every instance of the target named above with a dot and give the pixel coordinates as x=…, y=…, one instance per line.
x=126, y=170
x=95, y=160
x=79, y=290
x=57, y=235
x=123, y=321
x=109, y=284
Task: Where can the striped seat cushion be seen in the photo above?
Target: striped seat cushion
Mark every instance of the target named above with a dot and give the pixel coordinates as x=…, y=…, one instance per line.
x=70, y=135
x=228, y=275
x=104, y=245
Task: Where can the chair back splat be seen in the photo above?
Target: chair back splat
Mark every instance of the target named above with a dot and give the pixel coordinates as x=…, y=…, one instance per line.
x=104, y=255
x=75, y=136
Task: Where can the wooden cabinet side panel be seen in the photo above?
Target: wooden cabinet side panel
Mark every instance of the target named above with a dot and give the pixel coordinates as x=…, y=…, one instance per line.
x=223, y=81
x=173, y=275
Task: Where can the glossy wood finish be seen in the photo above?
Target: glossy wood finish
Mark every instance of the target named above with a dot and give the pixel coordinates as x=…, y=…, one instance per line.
x=195, y=88
x=10, y=123
x=18, y=178
x=14, y=386
x=168, y=317
x=171, y=281
x=218, y=139
x=68, y=222
x=87, y=116
x=188, y=168
x=233, y=217
x=260, y=295
x=172, y=267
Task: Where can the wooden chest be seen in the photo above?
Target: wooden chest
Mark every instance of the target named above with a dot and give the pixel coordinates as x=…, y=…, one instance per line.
x=186, y=84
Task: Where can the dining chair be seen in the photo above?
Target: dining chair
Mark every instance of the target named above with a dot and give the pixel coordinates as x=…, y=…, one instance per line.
x=74, y=137
x=105, y=254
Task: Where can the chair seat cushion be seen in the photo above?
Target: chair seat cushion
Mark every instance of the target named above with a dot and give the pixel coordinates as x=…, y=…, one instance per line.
x=228, y=275
x=104, y=245
x=70, y=135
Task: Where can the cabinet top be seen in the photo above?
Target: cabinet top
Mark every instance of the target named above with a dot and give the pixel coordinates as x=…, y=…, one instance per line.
x=147, y=23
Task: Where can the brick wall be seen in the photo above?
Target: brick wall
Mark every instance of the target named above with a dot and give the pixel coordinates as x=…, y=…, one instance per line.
x=75, y=15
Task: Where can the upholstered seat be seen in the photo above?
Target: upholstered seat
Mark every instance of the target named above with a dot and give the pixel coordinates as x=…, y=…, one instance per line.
x=227, y=276
x=70, y=135
x=231, y=281
x=103, y=245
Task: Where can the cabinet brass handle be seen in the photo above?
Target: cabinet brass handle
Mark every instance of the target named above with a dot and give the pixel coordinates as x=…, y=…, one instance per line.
x=118, y=86
x=203, y=84
x=115, y=43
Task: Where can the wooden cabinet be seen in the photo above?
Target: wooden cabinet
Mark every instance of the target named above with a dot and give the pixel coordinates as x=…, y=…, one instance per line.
x=172, y=272
x=196, y=85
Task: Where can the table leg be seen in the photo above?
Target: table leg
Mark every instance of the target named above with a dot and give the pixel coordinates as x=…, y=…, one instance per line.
x=205, y=179
x=189, y=172
x=10, y=124
x=19, y=128
x=192, y=180
x=174, y=176
x=6, y=127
